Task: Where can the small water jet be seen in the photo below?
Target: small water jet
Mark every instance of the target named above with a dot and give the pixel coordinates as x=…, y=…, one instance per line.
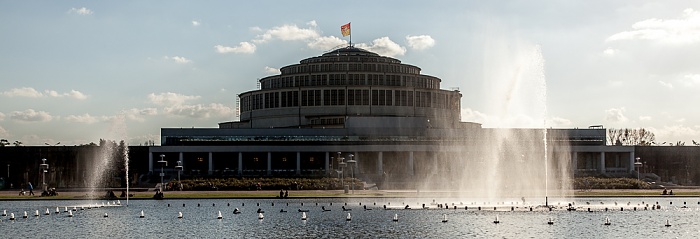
x=112, y=162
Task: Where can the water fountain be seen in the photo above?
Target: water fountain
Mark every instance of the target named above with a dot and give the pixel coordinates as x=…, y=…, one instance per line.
x=111, y=158
x=510, y=161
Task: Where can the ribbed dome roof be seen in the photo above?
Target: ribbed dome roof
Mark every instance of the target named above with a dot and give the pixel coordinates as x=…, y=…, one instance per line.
x=350, y=51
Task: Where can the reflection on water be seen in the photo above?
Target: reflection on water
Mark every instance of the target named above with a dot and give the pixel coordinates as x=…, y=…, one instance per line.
x=201, y=221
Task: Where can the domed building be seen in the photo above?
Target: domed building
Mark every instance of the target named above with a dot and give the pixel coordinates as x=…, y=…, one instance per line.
x=353, y=112
x=348, y=87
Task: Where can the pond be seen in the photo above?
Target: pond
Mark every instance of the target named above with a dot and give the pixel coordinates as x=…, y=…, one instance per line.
x=628, y=218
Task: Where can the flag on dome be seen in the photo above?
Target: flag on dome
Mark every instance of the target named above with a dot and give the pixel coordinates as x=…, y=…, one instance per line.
x=345, y=29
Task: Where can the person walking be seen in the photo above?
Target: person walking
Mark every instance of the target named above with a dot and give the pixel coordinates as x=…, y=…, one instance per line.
x=31, y=189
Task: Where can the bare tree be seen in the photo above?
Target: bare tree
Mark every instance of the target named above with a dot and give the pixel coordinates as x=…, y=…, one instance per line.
x=628, y=136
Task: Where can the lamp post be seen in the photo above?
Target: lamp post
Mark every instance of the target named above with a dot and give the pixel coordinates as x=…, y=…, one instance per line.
x=162, y=163
x=8, y=172
x=44, y=168
x=179, y=169
x=637, y=165
x=351, y=163
x=341, y=170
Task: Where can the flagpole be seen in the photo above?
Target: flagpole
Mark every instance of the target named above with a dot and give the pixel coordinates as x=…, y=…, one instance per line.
x=350, y=23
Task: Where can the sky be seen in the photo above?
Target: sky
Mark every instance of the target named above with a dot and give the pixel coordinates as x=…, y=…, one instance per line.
x=75, y=72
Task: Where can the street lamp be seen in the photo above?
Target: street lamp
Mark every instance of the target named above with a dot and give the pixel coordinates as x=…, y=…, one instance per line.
x=162, y=163
x=44, y=169
x=179, y=169
x=341, y=167
x=352, y=162
x=637, y=165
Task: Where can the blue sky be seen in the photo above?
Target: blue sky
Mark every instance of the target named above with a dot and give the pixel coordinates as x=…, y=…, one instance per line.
x=78, y=71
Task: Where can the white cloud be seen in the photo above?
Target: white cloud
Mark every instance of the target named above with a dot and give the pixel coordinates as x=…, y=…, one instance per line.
x=72, y=94
x=138, y=114
x=178, y=59
x=326, y=43
x=31, y=115
x=644, y=118
x=384, y=46
x=287, y=33
x=256, y=29
x=666, y=84
x=200, y=111
x=32, y=93
x=196, y=23
x=81, y=11
x=683, y=30
x=312, y=23
x=84, y=118
x=611, y=51
x=615, y=115
x=2, y=116
x=76, y=95
x=170, y=98
x=23, y=92
x=243, y=47
x=272, y=70
x=690, y=80
x=421, y=42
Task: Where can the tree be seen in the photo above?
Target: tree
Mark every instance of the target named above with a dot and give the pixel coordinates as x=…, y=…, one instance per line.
x=4, y=142
x=17, y=143
x=628, y=136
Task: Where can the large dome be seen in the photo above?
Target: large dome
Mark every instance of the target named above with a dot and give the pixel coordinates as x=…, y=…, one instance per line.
x=326, y=90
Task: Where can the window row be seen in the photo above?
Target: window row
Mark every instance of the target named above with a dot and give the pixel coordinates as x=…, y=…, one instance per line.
x=340, y=97
x=326, y=67
x=350, y=79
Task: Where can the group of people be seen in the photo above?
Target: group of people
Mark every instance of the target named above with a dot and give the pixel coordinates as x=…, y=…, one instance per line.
x=667, y=192
x=30, y=187
x=284, y=194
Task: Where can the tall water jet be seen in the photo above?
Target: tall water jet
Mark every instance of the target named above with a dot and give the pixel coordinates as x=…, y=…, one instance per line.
x=516, y=83
x=510, y=157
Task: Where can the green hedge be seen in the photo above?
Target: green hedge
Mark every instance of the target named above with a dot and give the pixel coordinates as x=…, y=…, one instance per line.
x=266, y=184
x=608, y=183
